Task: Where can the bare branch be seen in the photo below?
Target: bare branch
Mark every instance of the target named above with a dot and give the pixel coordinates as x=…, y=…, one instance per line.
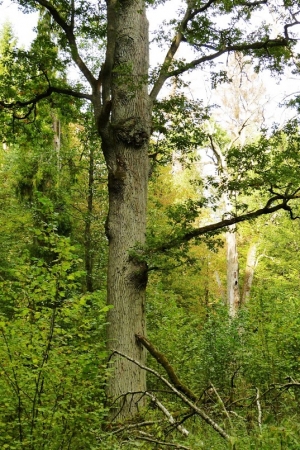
x=221, y=403
x=147, y=438
x=286, y=28
x=218, y=154
x=179, y=394
x=162, y=360
x=291, y=383
x=171, y=419
x=259, y=418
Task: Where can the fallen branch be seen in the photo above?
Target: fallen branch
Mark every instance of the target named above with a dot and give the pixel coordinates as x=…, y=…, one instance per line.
x=259, y=418
x=291, y=383
x=171, y=419
x=145, y=437
x=238, y=416
x=221, y=403
x=135, y=425
x=162, y=360
x=179, y=394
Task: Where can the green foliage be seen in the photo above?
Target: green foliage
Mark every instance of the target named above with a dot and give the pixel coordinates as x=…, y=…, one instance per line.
x=269, y=163
x=257, y=352
x=52, y=354
x=177, y=128
x=52, y=332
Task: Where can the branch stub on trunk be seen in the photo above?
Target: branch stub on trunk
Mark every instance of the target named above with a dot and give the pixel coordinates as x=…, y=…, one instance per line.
x=131, y=132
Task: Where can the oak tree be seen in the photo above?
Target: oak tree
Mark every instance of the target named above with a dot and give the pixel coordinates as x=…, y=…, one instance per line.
x=117, y=85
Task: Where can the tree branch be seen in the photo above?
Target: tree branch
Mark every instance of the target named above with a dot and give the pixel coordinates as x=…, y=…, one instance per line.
x=202, y=9
x=69, y=33
x=290, y=383
x=179, y=394
x=221, y=403
x=171, y=419
x=250, y=4
x=162, y=360
x=155, y=441
x=106, y=69
x=190, y=13
x=271, y=43
x=45, y=94
x=259, y=417
x=267, y=209
x=163, y=74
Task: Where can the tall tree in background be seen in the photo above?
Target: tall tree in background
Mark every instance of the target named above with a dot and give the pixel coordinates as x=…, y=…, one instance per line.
x=241, y=113
x=117, y=86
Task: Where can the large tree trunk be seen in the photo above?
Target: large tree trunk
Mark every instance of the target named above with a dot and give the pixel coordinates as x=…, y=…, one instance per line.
x=125, y=145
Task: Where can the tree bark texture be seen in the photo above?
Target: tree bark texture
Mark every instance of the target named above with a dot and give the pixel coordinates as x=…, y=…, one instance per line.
x=125, y=146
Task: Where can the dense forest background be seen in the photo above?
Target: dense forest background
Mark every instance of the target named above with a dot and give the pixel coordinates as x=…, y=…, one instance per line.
x=223, y=323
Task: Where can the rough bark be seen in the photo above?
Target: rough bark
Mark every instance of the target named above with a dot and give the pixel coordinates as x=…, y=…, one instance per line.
x=125, y=146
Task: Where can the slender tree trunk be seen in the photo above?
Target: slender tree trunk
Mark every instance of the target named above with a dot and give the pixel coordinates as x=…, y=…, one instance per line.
x=125, y=145
x=57, y=143
x=233, y=293
x=249, y=273
x=88, y=225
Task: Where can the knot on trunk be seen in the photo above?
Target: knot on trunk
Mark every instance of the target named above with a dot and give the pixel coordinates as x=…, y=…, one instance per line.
x=131, y=132
x=139, y=276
